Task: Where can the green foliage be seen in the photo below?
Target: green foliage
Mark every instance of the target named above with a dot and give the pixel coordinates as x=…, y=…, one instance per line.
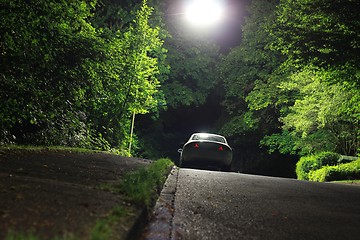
x=65, y=82
x=324, y=116
x=284, y=142
x=320, y=31
x=347, y=171
x=42, y=49
x=252, y=62
x=142, y=186
x=44, y=149
x=239, y=125
x=192, y=70
x=104, y=228
x=310, y=163
x=320, y=43
x=312, y=87
x=246, y=73
x=192, y=57
x=322, y=110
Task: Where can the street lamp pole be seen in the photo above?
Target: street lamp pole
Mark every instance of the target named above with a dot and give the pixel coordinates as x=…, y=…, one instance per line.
x=131, y=131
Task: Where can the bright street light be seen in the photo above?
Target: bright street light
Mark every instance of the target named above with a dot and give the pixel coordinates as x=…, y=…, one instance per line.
x=204, y=13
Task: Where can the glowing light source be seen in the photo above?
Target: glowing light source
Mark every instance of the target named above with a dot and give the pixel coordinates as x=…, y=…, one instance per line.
x=204, y=12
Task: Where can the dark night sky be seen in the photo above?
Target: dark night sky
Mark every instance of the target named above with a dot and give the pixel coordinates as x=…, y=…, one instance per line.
x=231, y=28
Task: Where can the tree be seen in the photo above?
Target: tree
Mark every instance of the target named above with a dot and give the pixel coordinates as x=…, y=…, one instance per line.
x=248, y=74
x=292, y=66
x=320, y=42
x=191, y=56
x=320, y=119
x=43, y=46
x=66, y=82
x=320, y=32
x=191, y=77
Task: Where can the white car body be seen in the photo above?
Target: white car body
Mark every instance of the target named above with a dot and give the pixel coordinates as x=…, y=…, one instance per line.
x=206, y=149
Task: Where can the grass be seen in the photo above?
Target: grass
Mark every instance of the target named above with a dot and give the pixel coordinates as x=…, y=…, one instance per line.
x=104, y=228
x=43, y=148
x=357, y=182
x=62, y=148
x=142, y=186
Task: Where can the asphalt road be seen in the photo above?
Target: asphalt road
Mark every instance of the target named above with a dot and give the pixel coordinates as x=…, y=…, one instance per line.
x=219, y=205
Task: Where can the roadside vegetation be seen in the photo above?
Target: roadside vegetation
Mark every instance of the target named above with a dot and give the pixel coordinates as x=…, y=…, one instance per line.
x=295, y=87
x=140, y=187
x=14, y=147
x=347, y=171
x=327, y=166
x=143, y=186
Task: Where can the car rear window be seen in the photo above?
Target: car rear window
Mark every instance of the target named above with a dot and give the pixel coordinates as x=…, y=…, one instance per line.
x=209, y=138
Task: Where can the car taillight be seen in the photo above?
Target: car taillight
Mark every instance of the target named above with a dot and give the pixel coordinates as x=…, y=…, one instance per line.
x=196, y=145
x=221, y=148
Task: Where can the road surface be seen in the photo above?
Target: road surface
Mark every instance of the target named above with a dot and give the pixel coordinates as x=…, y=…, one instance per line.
x=218, y=205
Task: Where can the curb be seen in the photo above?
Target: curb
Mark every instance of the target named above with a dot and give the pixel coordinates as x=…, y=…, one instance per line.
x=160, y=214
x=160, y=225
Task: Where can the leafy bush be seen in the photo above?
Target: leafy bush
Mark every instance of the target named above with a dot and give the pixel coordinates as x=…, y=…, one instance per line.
x=347, y=171
x=314, y=162
x=328, y=158
x=303, y=167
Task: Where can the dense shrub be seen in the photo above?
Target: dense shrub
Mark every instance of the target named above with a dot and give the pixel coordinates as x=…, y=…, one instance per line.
x=347, y=171
x=314, y=162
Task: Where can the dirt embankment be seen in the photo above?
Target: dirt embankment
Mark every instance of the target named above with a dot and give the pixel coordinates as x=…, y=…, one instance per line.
x=54, y=194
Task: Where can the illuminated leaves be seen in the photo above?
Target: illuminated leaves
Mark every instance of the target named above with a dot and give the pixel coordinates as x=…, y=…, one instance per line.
x=322, y=32
x=66, y=82
x=297, y=69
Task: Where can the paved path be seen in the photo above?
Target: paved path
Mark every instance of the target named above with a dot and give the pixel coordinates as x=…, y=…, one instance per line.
x=218, y=205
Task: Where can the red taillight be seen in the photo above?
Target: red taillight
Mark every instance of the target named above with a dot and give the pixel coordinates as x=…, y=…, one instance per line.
x=221, y=148
x=196, y=145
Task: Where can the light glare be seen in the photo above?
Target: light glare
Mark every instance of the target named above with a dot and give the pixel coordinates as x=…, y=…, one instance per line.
x=204, y=12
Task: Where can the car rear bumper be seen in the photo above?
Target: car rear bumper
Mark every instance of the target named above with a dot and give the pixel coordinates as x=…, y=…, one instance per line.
x=222, y=159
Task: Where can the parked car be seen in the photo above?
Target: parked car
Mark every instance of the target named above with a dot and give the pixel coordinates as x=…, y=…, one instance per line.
x=206, y=149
